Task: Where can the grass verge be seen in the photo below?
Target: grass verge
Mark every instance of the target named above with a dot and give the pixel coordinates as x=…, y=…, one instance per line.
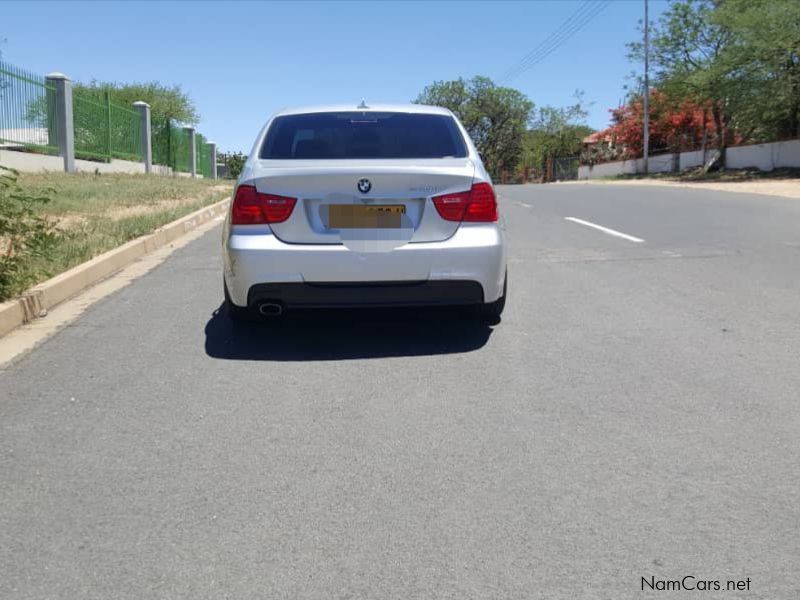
x=90, y=214
x=109, y=195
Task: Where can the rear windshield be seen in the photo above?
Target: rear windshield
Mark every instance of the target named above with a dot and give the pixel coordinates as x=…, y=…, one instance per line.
x=363, y=135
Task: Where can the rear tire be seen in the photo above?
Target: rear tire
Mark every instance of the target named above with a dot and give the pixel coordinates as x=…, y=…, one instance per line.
x=239, y=314
x=491, y=311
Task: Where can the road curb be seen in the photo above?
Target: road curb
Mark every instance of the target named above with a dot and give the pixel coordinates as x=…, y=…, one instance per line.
x=35, y=302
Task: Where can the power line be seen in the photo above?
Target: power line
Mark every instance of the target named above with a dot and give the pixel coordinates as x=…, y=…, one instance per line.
x=574, y=23
x=537, y=50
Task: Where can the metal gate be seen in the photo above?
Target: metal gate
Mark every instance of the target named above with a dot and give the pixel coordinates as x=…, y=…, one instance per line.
x=565, y=168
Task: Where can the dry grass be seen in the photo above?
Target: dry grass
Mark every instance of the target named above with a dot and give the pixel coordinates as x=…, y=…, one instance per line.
x=96, y=213
x=88, y=194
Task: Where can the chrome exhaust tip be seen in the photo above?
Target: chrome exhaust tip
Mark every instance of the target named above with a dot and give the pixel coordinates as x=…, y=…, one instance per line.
x=270, y=309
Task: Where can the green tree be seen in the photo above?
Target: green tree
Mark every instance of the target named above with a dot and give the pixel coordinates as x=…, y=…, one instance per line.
x=764, y=65
x=495, y=117
x=738, y=58
x=166, y=102
x=234, y=161
x=688, y=50
x=555, y=132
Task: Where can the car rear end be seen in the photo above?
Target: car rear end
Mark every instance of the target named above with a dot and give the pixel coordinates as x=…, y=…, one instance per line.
x=369, y=207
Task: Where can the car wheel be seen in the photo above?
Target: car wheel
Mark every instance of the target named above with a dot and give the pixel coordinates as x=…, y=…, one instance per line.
x=240, y=314
x=491, y=311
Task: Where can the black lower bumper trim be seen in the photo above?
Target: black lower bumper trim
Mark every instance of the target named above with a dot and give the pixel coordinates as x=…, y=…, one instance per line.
x=385, y=293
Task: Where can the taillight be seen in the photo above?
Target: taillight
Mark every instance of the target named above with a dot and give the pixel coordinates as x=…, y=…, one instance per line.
x=482, y=205
x=451, y=206
x=477, y=205
x=251, y=207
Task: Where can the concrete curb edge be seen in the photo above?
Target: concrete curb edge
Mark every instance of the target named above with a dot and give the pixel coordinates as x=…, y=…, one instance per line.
x=35, y=302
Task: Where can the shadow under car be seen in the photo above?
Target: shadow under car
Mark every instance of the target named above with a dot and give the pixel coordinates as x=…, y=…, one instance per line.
x=340, y=334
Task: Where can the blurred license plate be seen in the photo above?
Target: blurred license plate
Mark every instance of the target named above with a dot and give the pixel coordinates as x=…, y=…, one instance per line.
x=351, y=216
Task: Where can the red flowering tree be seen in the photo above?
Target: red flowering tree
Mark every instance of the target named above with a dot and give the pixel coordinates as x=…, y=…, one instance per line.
x=674, y=126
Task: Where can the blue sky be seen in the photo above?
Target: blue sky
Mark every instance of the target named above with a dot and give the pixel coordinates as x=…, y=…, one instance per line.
x=242, y=61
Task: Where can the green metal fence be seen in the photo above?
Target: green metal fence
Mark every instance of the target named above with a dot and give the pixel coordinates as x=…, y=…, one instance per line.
x=179, y=149
x=126, y=132
x=203, y=153
x=105, y=130
x=160, y=140
x=28, y=117
x=171, y=146
x=102, y=129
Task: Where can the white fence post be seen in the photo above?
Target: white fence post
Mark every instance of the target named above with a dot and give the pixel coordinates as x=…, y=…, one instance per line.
x=146, y=134
x=192, y=151
x=65, y=125
x=212, y=150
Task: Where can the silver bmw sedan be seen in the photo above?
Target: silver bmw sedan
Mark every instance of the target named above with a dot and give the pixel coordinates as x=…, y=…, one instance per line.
x=350, y=206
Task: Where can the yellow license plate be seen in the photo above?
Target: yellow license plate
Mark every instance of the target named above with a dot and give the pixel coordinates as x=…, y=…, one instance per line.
x=378, y=216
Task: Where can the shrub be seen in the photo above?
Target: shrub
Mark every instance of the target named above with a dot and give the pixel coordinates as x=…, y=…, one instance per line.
x=22, y=231
x=234, y=161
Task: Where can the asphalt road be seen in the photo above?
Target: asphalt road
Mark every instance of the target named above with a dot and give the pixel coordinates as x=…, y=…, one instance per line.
x=634, y=415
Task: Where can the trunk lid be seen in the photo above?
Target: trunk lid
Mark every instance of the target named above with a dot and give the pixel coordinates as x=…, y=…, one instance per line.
x=318, y=184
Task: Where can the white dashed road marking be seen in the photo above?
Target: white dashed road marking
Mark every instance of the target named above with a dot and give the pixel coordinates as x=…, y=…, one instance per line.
x=613, y=232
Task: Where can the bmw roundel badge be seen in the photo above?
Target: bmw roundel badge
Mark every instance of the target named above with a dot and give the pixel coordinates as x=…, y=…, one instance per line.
x=364, y=185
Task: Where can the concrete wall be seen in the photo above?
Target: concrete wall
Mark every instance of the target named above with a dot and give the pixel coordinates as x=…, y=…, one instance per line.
x=115, y=166
x=161, y=170
x=610, y=169
x=663, y=163
x=690, y=160
x=764, y=157
x=27, y=161
x=32, y=162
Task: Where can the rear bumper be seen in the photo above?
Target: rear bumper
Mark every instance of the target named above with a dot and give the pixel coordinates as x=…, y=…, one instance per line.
x=447, y=272
x=389, y=293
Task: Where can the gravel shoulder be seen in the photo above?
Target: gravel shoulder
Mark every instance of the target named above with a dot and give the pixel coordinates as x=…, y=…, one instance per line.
x=786, y=188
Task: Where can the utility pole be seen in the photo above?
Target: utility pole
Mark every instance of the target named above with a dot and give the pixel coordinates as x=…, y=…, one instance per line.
x=646, y=119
